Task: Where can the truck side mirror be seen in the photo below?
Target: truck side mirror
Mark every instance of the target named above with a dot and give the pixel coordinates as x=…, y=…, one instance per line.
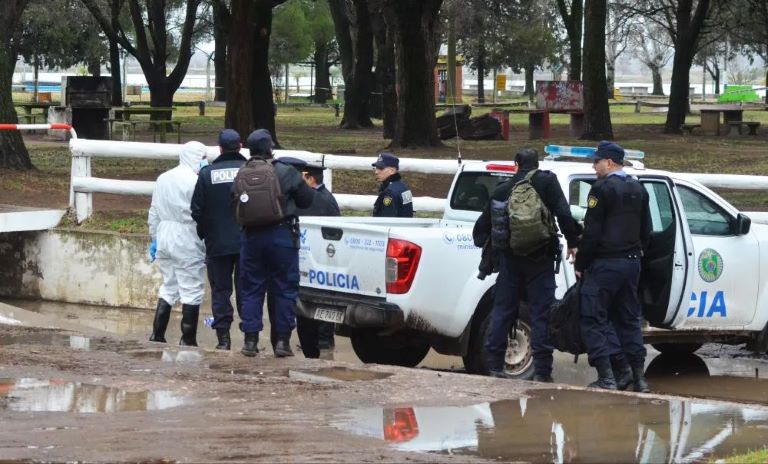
x=743, y=223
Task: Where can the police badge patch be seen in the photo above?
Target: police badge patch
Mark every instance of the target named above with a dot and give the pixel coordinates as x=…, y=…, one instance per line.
x=592, y=201
x=387, y=201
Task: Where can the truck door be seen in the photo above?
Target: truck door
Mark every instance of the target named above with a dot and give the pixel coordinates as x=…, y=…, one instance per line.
x=664, y=278
x=725, y=275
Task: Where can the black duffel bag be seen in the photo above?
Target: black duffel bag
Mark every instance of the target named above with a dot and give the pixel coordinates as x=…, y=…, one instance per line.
x=565, y=322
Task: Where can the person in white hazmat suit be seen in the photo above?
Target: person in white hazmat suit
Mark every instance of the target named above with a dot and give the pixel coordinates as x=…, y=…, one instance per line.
x=180, y=252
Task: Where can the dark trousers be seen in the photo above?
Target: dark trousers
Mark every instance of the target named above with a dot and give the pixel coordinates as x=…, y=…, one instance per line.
x=314, y=336
x=269, y=259
x=611, y=312
x=537, y=278
x=220, y=272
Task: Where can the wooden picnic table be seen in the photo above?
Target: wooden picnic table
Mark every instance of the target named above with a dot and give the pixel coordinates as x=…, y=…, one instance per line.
x=710, y=118
x=29, y=115
x=121, y=115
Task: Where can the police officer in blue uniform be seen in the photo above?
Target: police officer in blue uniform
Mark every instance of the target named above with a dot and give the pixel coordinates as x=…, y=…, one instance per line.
x=217, y=226
x=617, y=228
x=269, y=256
x=533, y=274
x=395, y=198
x=315, y=336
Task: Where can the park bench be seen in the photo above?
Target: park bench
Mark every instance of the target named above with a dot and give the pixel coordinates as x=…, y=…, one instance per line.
x=751, y=125
x=689, y=128
x=121, y=118
x=35, y=118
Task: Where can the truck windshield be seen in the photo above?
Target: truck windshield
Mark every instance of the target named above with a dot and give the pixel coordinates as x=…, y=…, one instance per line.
x=474, y=189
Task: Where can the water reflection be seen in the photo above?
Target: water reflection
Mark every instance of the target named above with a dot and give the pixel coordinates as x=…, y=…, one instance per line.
x=36, y=395
x=568, y=426
x=76, y=342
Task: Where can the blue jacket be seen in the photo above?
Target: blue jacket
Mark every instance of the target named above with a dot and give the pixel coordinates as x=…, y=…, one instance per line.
x=395, y=199
x=323, y=204
x=210, y=206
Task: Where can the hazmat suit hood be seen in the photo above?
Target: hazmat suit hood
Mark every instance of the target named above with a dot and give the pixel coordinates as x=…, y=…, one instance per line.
x=191, y=155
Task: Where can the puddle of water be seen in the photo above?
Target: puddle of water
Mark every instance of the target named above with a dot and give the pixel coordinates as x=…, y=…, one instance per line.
x=169, y=355
x=569, y=426
x=76, y=342
x=336, y=374
x=37, y=395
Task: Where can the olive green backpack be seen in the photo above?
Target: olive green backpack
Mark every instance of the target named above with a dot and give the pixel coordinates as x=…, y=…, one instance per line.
x=531, y=226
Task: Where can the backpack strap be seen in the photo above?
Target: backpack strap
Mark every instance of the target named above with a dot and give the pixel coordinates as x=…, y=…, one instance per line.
x=527, y=177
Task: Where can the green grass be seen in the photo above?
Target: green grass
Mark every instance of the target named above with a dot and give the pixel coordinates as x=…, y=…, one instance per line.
x=754, y=457
x=132, y=222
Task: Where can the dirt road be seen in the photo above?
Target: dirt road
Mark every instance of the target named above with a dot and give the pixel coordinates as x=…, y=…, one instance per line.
x=72, y=393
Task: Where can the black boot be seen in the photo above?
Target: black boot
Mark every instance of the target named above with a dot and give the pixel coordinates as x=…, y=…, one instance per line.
x=640, y=384
x=225, y=343
x=162, y=315
x=605, y=379
x=545, y=378
x=189, y=316
x=251, y=345
x=622, y=372
x=283, y=348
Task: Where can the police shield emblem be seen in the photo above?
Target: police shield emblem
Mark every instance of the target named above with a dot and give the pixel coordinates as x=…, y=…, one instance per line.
x=592, y=201
x=387, y=201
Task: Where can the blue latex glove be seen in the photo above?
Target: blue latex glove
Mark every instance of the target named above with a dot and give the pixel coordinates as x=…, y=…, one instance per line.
x=152, y=251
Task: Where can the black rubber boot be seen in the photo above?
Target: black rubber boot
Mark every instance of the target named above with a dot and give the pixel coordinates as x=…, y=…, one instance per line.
x=162, y=316
x=225, y=343
x=546, y=378
x=622, y=372
x=605, y=379
x=499, y=374
x=251, y=345
x=189, y=316
x=640, y=384
x=283, y=348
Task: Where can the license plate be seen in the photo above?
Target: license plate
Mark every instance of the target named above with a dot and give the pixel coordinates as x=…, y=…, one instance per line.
x=329, y=315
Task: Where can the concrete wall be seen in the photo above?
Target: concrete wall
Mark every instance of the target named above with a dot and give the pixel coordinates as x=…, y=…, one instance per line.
x=101, y=268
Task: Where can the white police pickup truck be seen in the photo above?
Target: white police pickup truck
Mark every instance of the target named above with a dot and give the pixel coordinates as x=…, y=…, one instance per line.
x=397, y=287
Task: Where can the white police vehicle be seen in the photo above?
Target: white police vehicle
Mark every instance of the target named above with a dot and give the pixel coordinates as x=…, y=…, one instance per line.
x=398, y=287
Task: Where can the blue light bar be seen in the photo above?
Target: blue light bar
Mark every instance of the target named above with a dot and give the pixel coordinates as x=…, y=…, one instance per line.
x=556, y=151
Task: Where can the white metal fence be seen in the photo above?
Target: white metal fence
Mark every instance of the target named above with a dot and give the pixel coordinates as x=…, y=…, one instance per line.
x=83, y=185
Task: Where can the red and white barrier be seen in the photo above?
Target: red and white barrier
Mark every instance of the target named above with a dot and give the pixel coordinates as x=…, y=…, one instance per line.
x=25, y=127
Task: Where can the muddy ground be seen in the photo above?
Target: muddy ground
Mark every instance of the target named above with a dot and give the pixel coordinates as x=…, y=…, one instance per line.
x=73, y=393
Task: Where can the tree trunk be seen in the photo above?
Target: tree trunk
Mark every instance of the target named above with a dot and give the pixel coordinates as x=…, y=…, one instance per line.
x=358, y=94
x=221, y=24
x=114, y=70
x=610, y=77
x=36, y=79
x=94, y=68
x=573, y=26
x=386, y=75
x=679, y=92
x=240, y=58
x=250, y=101
x=262, y=98
x=658, y=88
x=481, y=73
x=322, y=74
x=413, y=29
x=717, y=80
x=529, y=84
x=13, y=152
x=597, y=115
x=689, y=24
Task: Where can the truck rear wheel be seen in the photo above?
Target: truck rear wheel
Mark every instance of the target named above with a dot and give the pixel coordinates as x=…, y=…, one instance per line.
x=518, y=360
x=676, y=348
x=396, y=350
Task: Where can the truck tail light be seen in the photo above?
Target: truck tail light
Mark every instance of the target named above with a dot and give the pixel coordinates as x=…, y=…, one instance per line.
x=402, y=261
x=400, y=425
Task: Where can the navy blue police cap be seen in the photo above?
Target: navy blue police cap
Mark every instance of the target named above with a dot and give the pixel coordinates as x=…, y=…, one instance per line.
x=229, y=139
x=295, y=162
x=260, y=142
x=608, y=150
x=387, y=160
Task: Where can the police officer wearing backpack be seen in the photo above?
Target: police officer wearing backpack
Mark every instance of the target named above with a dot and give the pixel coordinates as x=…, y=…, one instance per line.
x=269, y=253
x=215, y=224
x=617, y=229
x=395, y=198
x=524, y=270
